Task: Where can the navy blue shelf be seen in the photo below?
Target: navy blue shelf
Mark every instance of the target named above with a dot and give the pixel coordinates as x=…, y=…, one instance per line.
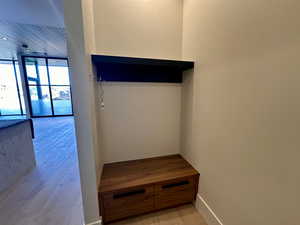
x=129, y=69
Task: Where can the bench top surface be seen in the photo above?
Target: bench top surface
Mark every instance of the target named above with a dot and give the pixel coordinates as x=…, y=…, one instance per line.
x=122, y=175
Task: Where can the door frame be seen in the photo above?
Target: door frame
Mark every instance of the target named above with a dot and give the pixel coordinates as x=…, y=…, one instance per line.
x=49, y=85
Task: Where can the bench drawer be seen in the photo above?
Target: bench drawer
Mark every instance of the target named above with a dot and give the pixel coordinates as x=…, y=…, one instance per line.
x=175, y=192
x=130, y=202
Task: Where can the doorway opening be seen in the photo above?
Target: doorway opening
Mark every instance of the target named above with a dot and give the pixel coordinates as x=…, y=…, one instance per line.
x=40, y=157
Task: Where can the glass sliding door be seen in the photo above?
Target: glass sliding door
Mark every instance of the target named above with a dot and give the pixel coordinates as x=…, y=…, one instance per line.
x=60, y=86
x=48, y=86
x=38, y=86
x=11, y=93
x=20, y=88
x=61, y=96
x=40, y=100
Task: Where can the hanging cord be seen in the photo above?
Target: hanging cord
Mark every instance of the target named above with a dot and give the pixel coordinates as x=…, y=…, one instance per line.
x=101, y=93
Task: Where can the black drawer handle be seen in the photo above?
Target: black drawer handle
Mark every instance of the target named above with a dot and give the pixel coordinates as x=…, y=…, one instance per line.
x=130, y=193
x=175, y=184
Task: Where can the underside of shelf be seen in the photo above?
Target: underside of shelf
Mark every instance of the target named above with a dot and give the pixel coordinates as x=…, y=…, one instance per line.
x=129, y=69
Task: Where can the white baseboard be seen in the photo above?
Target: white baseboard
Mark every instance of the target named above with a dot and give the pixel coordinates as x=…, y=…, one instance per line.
x=208, y=214
x=98, y=222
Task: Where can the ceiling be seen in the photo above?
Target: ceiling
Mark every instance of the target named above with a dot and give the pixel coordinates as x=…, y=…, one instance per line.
x=36, y=24
x=34, y=12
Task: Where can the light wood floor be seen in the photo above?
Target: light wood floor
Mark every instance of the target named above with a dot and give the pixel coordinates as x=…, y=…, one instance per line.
x=183, y=215
x=50, y=194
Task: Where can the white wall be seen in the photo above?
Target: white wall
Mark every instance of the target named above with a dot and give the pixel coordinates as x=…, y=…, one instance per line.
x=88, y=21
x=147, y=28
x=78, y=21
x=242, y=123
x=139, y=119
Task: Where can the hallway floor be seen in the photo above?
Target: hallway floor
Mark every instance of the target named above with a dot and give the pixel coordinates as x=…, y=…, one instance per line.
x=183, y=215
x=50, y=194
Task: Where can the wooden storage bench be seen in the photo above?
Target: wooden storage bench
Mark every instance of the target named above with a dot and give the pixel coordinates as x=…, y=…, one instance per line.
x=135, y=187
